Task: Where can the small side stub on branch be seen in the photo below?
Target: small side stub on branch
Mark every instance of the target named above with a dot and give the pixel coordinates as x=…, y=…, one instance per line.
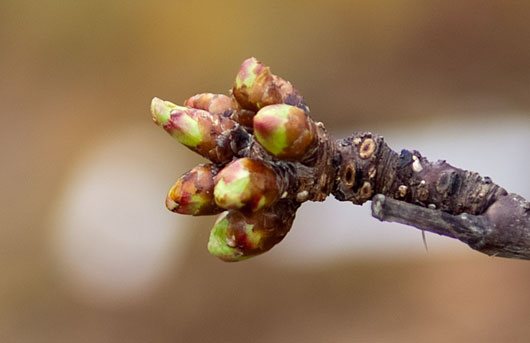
x=503, y=230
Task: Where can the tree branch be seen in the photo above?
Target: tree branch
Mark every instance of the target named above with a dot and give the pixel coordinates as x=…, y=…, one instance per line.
x=268, y=157
x=504, y=229
x=433, y=196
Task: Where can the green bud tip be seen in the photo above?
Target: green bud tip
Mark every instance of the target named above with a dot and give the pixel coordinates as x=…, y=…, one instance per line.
x=254, y=87
x=193, y=192
x=246, y=183
x=233, y=237
x=284, y=131
x=251, y=69
x=180, y=122
x=184, y=126
x=237, y=235
x=161, y=111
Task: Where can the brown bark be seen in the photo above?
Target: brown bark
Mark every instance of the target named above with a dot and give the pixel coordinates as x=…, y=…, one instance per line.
x=432, y=196
x=368, y=166
x=408, y=189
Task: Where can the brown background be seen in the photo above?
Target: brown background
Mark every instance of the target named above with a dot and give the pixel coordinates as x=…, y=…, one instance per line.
x=75, y=74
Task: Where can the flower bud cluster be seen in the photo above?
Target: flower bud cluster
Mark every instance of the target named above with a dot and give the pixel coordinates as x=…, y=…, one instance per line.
x=252, y=190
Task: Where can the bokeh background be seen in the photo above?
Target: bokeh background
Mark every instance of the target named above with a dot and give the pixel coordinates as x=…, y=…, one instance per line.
x=88, y=252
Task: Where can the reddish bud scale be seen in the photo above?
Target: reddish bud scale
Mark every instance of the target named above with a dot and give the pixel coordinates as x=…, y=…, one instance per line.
x=285, y=131
x=246, y=184
x=256, y=87
x=203, y=136
x=213, y=103
x=193, y=192
x=237, y=236
x=222, y=105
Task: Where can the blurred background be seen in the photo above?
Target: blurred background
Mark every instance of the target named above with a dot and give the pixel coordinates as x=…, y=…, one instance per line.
x=88, y=252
